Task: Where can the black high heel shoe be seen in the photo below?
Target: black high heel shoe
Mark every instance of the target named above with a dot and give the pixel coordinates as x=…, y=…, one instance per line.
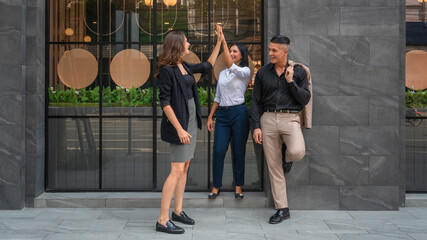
x=214, y=195
x=239, y=195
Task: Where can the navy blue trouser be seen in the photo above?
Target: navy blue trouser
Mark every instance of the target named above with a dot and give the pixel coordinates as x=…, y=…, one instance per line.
x=232, y=123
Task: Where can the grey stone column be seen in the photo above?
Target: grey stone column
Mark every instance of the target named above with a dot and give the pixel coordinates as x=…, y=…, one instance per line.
x=35, y=101
x=21, y=101
x=12, y=104
x=355, y=152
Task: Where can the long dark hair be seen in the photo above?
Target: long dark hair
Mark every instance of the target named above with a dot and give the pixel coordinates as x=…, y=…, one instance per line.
x=244, y=62
x=172, y=50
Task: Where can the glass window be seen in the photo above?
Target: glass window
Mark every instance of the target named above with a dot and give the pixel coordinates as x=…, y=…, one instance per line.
x=416, y=92
x=103, y=110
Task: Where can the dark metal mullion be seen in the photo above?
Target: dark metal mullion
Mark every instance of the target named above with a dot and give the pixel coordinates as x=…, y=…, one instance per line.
x=100, y=45
x=46, y=97
x=262, y=64
x=154, y=100
x=209, y=93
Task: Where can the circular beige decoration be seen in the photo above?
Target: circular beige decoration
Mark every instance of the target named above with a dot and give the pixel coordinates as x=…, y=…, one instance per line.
x=191, y=57
x=416, y=70
x=77, y=68
x=220, y=65
x=130, y=68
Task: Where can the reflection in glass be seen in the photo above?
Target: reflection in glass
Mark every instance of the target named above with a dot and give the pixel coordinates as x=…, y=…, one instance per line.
x=127, y=153
x=73, y=153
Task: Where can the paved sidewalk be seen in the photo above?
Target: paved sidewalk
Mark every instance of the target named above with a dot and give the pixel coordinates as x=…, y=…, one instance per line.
x=212, y=224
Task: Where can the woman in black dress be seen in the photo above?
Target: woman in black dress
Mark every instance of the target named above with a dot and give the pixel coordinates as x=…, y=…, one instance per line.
x=181, y=117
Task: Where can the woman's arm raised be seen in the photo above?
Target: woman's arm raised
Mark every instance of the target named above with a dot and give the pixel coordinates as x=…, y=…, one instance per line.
x=214, y=55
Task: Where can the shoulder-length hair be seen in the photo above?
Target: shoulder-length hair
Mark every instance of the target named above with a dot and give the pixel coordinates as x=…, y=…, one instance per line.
x=172, y=50
x=244, y=52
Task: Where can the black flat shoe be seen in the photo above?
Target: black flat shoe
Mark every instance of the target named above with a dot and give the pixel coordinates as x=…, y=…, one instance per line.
x=287, y=167
x=239, y=195
x=280, y=215
x=169, y=228
x=183, y=218
x=214, y=195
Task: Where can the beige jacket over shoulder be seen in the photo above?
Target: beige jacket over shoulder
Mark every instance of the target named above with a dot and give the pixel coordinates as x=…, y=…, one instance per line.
x=307, y=111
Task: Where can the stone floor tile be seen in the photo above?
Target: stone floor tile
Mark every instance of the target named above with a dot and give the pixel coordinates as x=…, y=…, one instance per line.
x=75, y=203
x=368, y=236
x=331, y=231
x=375, y=225
x=411, y=225
x=155, y=235
x=420, y=213
x=12, y=235
x=75, y=195
x=418, y=236
x=213, y=224
x=243, y=226
x=209, y=234
x=244, y=213
x=265, y=214
x=317, y=214
x=392, y=233
x=139, y=229
x=24, y=213
x=138, y=214
x=68, y=213
x=297, y=224
x=245, y=236
x=93, y=225
x=304, y=236
x=83, y=236
x=30, y=224
x=381, y=215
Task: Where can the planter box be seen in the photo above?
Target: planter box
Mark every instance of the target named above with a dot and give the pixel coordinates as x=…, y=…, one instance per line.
x=92, y=109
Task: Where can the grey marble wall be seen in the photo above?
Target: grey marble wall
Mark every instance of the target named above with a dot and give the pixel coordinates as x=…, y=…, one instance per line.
x=355, y=151
x=355, y=49
x=21, y=102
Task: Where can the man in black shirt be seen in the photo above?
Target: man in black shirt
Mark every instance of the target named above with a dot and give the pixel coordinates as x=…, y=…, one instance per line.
x=280, y=92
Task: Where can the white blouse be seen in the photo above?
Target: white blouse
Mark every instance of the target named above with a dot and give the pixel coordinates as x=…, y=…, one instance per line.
x=232, y=85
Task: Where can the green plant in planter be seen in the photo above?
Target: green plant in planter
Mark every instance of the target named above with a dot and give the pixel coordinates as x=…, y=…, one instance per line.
x=107, y=95
x=203, y=96
x=416, y=99
x=133, y=97
x=248, y=96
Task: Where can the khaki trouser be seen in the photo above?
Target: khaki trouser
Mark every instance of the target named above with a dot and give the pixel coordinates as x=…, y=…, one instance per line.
x=277, y=128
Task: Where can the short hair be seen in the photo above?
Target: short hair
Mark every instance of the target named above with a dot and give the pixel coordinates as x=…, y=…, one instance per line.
x=280, y=39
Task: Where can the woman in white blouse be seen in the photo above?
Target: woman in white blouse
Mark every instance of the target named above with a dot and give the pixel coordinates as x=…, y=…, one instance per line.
x=232, y=120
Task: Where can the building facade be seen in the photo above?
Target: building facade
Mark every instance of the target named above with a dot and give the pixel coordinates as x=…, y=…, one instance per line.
x=355, y=49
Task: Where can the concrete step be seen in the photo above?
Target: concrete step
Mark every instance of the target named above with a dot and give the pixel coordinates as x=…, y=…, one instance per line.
x=146, y=200
x=416, y=200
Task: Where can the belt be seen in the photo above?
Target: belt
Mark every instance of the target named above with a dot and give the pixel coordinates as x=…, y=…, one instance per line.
x=283, y=111
x=230, y=107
